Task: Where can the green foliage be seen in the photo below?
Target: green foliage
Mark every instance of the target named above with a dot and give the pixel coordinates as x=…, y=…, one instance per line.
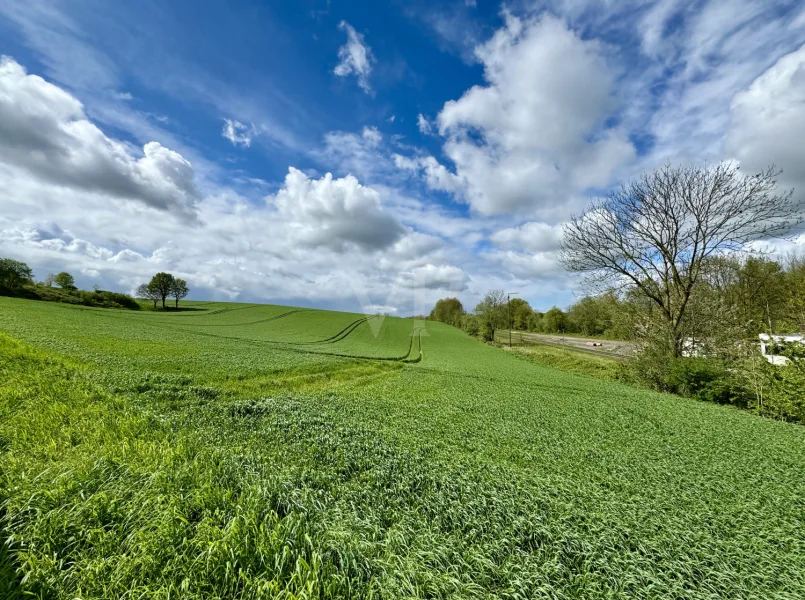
x=469, y=324
x=555, y=321
x=794, y=308
x=179, y=290
x=448, y=310
x=245, y=451
x=597, y=315
x=64, y=280
x=779, y=391
x=522, y=315
x=492, y=314
x=14, y=274
x=161, y=285
x=704, y=379
x=148, y=292
x=98, y=298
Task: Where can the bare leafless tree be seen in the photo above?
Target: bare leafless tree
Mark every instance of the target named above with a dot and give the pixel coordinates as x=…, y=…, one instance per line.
x=656, y=234
x=148, y=292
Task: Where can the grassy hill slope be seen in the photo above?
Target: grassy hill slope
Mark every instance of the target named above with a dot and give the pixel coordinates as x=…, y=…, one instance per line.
x=256, y=451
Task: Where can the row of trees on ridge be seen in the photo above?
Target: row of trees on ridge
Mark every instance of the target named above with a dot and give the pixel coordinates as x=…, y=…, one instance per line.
x=161, y=287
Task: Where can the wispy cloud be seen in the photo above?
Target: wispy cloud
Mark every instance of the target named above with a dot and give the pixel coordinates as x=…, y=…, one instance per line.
x=355, y=57
x=424, y=126
x=238, y=133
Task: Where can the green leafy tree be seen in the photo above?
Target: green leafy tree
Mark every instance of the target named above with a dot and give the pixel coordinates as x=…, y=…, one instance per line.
x=162, y=284
x=521, y=313
x=780, y=390
x=179, y=290
x=64, y=280
x=594, y=315
x=535, y=321
x=795, y=292
x=14, y=273
x=491, y=313
x=554, y=321
x=448, y=310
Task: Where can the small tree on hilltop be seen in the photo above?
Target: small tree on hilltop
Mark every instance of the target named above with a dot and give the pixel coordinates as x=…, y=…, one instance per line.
x=64, y=280
x=179, y=290
x=656, y=234
x=147, y=292
x=162, y=283
x=14, y=273
x=448, y=310
x=49, y=280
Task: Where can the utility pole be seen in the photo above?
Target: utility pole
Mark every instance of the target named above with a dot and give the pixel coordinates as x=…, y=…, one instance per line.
x=509, y=307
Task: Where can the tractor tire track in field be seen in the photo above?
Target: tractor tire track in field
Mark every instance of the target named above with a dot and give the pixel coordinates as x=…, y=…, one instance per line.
x=418, y=334
x=338, y=336
x=218, y=311
x=266, y=320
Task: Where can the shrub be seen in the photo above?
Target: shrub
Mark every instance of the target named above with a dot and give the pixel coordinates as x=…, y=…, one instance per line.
x=779, y=391
x=469, y=323
x=706, y=379
x=98, y=298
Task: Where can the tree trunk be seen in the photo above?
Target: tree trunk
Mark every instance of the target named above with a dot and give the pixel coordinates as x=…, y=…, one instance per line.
x=163, y=303
x=177, y=303
x=155, y=304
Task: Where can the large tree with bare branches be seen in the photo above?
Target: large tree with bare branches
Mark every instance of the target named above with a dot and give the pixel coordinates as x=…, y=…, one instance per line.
x=656, y=234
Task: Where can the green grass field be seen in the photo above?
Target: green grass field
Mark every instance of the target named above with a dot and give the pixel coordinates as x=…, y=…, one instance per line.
x=250, y=451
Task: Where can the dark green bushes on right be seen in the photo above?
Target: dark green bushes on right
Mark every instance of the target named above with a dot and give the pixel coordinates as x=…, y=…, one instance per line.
x=706, y=379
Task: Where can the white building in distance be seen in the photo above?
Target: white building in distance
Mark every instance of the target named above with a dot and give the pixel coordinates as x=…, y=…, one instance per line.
x=768, y=342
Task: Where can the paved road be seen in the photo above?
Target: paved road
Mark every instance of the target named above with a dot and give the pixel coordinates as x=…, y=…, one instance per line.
x=610, y=347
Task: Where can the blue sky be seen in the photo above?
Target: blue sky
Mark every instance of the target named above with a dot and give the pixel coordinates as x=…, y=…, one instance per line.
x=197, y=137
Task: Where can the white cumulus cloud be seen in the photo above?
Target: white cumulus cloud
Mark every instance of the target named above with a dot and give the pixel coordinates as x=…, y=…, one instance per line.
x=768, y=121
x=529, y=237
x=335, y=213
x=536, y=131
x=44, y=131
x=434, y=277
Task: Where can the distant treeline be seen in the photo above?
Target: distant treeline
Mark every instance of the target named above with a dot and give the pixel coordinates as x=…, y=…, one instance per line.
x=742, y=295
